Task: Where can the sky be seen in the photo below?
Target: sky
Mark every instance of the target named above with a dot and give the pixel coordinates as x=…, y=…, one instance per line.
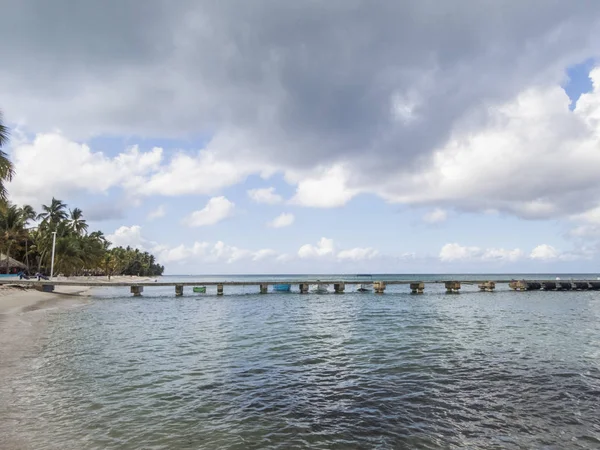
x=332, y=136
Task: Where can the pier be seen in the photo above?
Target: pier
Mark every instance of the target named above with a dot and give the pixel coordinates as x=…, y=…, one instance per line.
x=303, y=286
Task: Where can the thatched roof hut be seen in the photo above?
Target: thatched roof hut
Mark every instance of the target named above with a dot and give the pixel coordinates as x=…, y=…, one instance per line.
x=12, y=263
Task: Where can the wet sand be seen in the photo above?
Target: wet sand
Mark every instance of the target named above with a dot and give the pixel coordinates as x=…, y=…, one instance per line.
x=14, y=300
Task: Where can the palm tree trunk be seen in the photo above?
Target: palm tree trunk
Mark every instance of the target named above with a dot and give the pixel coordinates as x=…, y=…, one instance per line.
x=40, y=262
x=7, y=257
x=26, y=256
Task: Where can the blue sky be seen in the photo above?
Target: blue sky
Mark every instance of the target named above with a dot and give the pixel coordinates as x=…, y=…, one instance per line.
x=438, y=156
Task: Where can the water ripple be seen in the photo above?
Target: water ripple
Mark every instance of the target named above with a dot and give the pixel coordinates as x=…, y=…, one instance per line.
x=507, y=370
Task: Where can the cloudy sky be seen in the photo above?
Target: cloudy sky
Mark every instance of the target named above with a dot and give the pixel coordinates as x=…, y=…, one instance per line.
x=314, y=136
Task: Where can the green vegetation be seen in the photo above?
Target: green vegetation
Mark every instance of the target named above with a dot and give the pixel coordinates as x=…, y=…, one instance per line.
x=6, y=167
x=27, y=237
x=77, y=251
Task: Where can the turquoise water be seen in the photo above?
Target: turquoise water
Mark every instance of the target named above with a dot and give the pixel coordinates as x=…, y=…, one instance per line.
x=284, y=370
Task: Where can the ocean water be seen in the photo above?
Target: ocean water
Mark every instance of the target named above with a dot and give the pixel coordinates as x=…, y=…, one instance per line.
x=507, y=369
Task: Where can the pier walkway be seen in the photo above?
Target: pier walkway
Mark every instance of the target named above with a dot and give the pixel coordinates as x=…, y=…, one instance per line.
x=378, y=286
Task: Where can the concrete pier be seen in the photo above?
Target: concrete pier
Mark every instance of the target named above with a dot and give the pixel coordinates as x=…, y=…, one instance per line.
x=487, y=286
x=379, y=287
x=452, y=287
x=137, y=290
x=417, y=288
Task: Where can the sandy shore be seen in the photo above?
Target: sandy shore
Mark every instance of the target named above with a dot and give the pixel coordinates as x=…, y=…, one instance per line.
x=17, y=299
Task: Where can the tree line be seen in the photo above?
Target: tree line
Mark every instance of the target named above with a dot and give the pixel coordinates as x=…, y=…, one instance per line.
x=77, y=252
x=28, y=237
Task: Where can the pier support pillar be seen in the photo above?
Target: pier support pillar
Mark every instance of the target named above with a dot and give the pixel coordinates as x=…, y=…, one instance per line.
x=452, y=287
x=379, y=287
x=417, y=288
x=137, y=290
x=303, y=288
x=518, y=285
x=487, y=286
x=581, y=285
x=549, y=285
x=264, y=288
x=219, y=289
x=339, y=287
x=564, y=286
x=178, y=290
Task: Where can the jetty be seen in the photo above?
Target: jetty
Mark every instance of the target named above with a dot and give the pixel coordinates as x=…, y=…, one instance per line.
x=339, y=286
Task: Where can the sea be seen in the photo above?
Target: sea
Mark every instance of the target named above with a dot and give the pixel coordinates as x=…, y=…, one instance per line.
x=481, y=370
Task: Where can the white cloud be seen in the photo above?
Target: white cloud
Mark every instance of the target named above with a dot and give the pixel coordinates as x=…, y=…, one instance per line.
x=264, y=254
x=438, y=215
x=500, y=254
x=205, y=172
x=207, y=253
x=456, y=252
x=52, y=165
x=358, y=254
x=157, y=213
x=327, y=188
x=282, y=220
x=588, y=224
x=585, y=231
x=229, y=253
x=198, y=252
x=128, y=236
x=265, y=195
x=544, y=252
x=323, y=248
x=535, y=129
x=284, y=257
x=216, y=210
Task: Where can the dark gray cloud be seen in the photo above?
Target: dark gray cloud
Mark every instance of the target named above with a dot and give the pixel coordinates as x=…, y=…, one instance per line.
x=299, y=83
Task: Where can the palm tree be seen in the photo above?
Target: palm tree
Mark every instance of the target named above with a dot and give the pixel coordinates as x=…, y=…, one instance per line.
x=12, y=229
x=53, y=214
x=41, y=244
x=77, y=222
x=28, y=213
x=6, y=167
